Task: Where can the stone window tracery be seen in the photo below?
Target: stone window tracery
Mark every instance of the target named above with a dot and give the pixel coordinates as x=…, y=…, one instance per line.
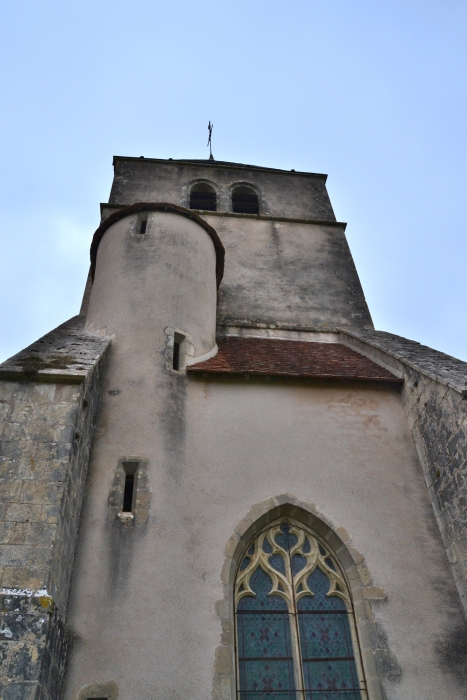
x=295, y=629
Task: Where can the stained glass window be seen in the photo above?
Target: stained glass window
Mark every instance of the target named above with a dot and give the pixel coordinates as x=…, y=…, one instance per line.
x=294, y=621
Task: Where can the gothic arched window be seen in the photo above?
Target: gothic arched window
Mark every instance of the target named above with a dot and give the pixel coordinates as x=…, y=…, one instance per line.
x=294, y=620
x=245, y=200
x=203, y=196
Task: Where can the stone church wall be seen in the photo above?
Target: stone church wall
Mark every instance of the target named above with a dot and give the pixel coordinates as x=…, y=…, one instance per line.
x=164, y=590
x=45, y=440
x=435, y=399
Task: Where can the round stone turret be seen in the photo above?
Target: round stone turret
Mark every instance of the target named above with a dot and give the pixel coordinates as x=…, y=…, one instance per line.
x=156, y=268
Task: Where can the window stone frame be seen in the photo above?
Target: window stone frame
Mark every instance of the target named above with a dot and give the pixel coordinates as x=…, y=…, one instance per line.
x=353, y=565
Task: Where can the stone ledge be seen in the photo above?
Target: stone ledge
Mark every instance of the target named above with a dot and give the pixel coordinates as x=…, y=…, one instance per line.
x=436, y=365
x=66, y=355
x=254, y=217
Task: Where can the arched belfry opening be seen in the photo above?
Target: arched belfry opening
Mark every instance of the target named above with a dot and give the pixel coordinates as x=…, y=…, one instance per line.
x=294, y=621
x=245, y=200
x=203, y=196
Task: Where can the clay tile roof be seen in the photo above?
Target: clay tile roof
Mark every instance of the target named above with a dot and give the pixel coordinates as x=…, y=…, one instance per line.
x=292, y=358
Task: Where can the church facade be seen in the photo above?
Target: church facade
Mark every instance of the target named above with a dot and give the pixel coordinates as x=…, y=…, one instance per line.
x=218, y=480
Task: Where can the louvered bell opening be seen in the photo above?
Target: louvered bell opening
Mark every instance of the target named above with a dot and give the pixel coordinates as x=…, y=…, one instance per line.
x=203, y=200
x=245, y=203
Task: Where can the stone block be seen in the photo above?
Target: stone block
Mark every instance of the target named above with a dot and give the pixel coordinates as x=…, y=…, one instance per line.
x=222, y=688
x=231, y=546
x=41, y=533
x=456, y=441
x=51, y=513
x=364, y=574
x=261, y=508
x=226, y=570
x=42, y=493
x=22, y=412
x=373, y=683
x=10, y=491
x=8, y=468
x=22, y=577
x=24, y=662
x=223, y=609
x=19, y=555
x=10, y=690
x=21, y=512
x=5, y=409
x=222, y=662
x=343, y=535
x=374, y=593
x=12, y=533
x=243, y=526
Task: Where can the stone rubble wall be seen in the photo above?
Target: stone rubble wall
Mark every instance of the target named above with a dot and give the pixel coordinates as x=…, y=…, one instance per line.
x=46, y=426
x=435, y=399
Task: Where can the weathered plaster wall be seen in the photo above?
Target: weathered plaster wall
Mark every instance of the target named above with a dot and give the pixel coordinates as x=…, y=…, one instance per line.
x=435, y=399
x=45, y=439
x=282, y=193
x=285, y=273
x=147, y=286
x=214, y=450
x=296, y=270
x=288, y=273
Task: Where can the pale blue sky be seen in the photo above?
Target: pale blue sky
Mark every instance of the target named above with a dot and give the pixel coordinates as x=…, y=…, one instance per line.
x=372, y=93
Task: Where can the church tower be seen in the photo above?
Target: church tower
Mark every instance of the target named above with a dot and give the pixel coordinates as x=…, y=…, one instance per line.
x=219, y=480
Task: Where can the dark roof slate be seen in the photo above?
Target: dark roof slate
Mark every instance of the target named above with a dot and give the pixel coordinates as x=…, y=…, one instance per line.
x=66, y=354
x=437, y=365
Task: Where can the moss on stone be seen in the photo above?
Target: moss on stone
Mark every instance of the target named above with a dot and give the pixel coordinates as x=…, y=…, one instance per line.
x=34, y=363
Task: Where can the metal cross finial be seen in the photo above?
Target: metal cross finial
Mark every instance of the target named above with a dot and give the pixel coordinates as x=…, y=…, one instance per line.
x=209, y=143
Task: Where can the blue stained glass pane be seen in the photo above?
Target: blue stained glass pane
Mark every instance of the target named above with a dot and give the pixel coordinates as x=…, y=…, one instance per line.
x=251, y=550
x=245, y=563
x=266, y=546
x=306, y=546
x=298, y=563
x=326, y=644
x=263, y=635
x=324, y=635
x=261, y=584
x=277, y=562
x=264, y=644
x=333, y=695
x=267, y=695
x=266, y=675
x=284, y=539
x=319, y=584
x=330, y=563
x=331, y=676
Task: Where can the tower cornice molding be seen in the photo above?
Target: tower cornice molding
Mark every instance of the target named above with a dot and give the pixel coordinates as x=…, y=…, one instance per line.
x=254, y=217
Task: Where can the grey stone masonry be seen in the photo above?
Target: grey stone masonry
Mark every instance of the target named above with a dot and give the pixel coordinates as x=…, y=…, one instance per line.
x=435, y=398
x=48, y=398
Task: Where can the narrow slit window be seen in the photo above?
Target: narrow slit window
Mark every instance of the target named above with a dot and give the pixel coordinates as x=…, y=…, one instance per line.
x=143, y=226
x=130, y=469
x=203, y=196
x=128, y=493
x=177, y=352
x=245, y=201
